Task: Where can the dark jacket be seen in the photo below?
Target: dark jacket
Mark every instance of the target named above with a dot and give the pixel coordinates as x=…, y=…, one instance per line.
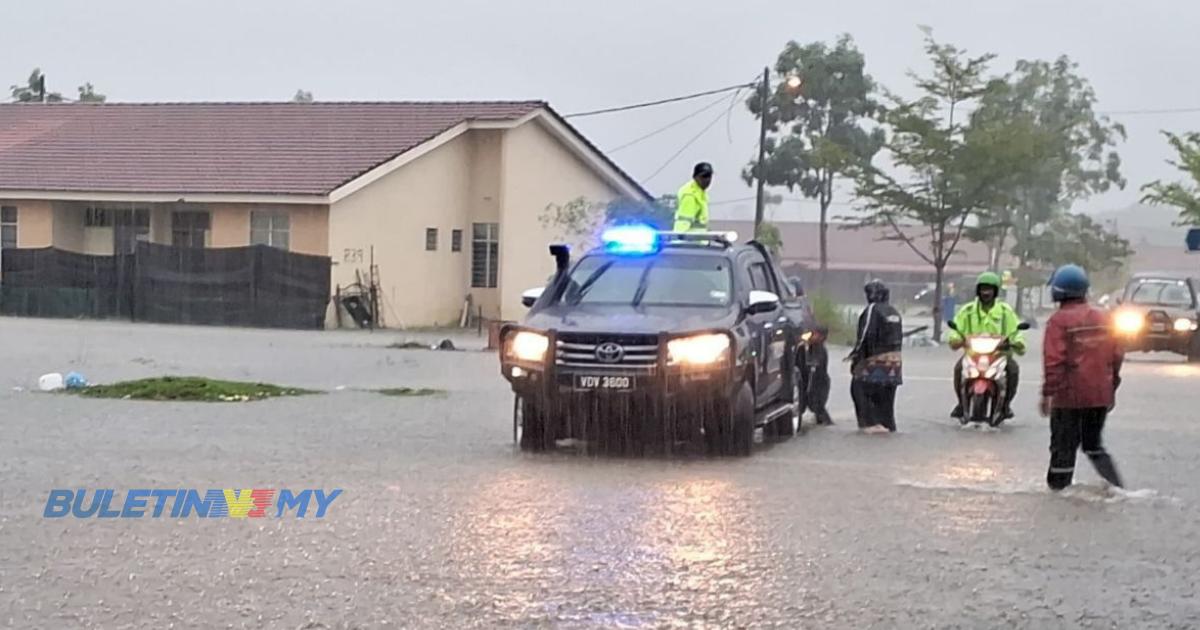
x=880, y=330
x=1081, y=359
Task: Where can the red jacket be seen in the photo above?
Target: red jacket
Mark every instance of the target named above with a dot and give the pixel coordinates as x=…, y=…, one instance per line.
x=1081, y=358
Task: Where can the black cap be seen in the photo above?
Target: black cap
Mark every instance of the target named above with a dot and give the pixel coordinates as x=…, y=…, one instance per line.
x=703, y=168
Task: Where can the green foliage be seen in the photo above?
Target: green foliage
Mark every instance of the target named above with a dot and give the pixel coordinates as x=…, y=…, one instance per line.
x=1078, y=239
x=820, y=132
x=31, y=91
x=190, y=388
x=88, y=94
x=947, y=166
x=768, y=235
x=1074, y=156
x=660, y=213
x=1184, y=196
x=408, y=391
x=841, y=325
x=302, y=96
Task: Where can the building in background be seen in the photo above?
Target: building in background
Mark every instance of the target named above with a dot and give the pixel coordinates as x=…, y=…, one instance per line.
x=444, y=198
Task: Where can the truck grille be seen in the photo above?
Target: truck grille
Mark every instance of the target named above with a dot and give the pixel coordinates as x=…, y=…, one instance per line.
x=616, y=352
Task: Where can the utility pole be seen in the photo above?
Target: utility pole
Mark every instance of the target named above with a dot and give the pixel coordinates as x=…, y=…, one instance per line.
x=42, y=88
x=760, y=203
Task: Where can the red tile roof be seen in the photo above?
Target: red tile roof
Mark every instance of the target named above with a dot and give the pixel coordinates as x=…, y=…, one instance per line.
x=270, y=148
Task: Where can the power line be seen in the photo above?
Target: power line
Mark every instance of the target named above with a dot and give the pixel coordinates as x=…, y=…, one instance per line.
x=674, y=99
x=696, y=137
x=1150, y=112
x=686, y=145
x=679, y=121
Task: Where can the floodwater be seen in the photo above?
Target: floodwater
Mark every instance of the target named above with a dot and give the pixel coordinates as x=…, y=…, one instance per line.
x=443, y=524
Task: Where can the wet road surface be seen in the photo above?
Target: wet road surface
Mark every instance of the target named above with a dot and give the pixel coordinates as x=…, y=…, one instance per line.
x=442, y=524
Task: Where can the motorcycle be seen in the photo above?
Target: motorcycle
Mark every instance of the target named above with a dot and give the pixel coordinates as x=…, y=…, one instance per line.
x=984, y=385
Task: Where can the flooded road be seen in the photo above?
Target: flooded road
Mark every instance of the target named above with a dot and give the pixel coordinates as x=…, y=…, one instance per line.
x=443, y=524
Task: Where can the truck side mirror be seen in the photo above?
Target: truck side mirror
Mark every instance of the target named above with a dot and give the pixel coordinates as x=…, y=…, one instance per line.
x=531, y=296
x=762, y=302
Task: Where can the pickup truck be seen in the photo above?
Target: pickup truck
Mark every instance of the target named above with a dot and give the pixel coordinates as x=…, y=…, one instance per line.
x=658, y=340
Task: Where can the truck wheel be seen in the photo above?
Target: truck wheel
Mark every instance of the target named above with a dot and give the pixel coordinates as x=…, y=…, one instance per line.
x=1193, y=355
x=785, y=426
x=534, y=435
x=741, y=418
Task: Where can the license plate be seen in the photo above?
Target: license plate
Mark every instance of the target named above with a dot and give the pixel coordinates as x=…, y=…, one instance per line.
x=603, y=382
x=1158, y=327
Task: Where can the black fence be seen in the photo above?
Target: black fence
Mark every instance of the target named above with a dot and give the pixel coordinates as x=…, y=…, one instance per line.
x=242, y=286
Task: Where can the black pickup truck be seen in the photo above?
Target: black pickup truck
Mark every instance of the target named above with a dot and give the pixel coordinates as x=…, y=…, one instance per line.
x=656, y=340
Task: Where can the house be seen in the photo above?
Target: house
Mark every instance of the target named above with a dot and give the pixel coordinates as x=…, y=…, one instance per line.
x=444, y=198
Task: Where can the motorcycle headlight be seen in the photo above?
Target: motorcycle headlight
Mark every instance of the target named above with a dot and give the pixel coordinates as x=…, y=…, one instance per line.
x=984, y=345
x=698, y=349
x=528, y=346
x=807, y=336
x=1129, y=322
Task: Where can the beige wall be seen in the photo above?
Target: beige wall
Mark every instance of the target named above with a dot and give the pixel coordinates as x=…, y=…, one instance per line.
x=537, y=171
x=308, y=226
x=419, y=287
x=35, y=222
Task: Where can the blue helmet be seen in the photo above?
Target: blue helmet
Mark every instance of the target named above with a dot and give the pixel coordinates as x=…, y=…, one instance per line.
x=1069, y=282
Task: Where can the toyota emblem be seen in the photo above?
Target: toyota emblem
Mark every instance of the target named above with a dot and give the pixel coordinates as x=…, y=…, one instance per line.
x=609, y=353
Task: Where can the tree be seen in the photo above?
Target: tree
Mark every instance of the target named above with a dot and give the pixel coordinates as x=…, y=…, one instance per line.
x=32, y=91
x=948, y=167
x=1078, y=239
x=88, y=94
x=302, y=96
x=1076, y=157
x=817, y=135
x=769, y=236
x=1183, y=196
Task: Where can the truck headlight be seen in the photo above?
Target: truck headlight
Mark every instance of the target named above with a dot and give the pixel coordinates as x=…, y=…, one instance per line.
x=1129, y=322
x=1184, y=325
x=698, y=349
x=529, y=346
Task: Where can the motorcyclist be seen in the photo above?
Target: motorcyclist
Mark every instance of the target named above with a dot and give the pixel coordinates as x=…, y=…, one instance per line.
x=816, y=361
x=988, y=315
x=691, y=212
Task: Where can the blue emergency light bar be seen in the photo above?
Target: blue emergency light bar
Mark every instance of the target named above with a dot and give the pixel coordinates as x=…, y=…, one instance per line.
x=632, y=239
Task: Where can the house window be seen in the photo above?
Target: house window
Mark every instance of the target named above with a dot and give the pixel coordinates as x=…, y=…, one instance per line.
x=270, y=228
x=189, y=229
x=485, y=254
x=8, y=227
x=431, y=239
x=456, y=240
x=97, y=217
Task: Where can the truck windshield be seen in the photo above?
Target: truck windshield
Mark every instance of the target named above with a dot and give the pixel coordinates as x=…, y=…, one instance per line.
x=650, y=281
x=1161, y=293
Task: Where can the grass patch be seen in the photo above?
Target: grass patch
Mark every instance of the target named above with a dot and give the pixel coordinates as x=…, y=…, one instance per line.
x=190, y=388
x=408, y=391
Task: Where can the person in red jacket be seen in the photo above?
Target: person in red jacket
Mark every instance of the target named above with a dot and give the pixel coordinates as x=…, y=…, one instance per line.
x=1081, y=372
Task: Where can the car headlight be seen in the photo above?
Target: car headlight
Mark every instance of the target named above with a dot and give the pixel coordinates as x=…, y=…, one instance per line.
x=698, y=350
x=1184, y=325
x=529, y=346
x=1129, y=322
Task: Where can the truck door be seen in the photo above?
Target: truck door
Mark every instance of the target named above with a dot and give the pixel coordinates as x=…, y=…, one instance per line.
x=771, y=332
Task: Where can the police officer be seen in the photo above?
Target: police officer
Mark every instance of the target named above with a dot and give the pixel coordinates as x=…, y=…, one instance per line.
x=691, y=212
x=875, y=362
x=1082, y=370
x=988, y=315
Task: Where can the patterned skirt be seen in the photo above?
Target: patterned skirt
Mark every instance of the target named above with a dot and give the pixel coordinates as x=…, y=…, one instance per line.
x=881, y=369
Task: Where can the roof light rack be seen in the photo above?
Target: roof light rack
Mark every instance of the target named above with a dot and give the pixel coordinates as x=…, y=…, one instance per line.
x=701, y=239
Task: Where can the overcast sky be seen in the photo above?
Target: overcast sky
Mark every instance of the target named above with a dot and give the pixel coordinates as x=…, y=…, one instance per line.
x=583, y=55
